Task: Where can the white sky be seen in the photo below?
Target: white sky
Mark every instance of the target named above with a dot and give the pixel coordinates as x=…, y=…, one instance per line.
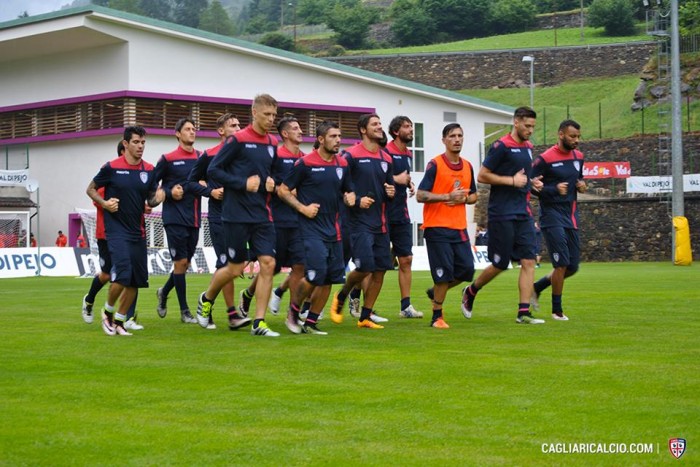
x=11, y=9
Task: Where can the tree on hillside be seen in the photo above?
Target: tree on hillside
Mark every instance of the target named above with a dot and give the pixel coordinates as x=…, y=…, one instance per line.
x=158, y=9
x=412, y=25
x=187, y=12
x=689, y=17
x=615, y=16
x=460, y=19
x=278, y=41
x=312, y=11
x=131, y=6
x=508, y=16
x=216, y=19
x=553, y=6
x=351, y=24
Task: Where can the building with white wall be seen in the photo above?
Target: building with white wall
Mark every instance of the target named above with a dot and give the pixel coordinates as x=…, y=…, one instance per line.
x=72, y=79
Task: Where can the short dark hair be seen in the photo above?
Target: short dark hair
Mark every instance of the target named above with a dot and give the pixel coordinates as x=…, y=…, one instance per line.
x=133, y=130
x=567, y=123
x=396, y=123
x=322, y=129
x=364, y=121
x=180, y=123
x=221, y=121
x=449, y=127
x=285, y=122
x=120, y=148
x=524, y=112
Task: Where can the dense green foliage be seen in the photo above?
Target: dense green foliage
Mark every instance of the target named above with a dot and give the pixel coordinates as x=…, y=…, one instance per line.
x=278, y=41
x=615, y=16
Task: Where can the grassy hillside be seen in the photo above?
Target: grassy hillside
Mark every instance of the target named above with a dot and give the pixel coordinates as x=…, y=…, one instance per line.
x=529, y=39
x=601, y=105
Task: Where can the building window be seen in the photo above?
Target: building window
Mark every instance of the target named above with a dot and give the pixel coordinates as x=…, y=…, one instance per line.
x=418, y=148
x=449, y=117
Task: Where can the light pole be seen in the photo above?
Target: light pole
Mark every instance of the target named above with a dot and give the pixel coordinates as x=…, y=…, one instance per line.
x=531, y=59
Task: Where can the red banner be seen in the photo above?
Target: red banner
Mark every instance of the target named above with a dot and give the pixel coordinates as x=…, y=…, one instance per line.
x=606, y=170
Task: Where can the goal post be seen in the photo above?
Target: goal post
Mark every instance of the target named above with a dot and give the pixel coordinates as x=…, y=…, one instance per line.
x=14, y=229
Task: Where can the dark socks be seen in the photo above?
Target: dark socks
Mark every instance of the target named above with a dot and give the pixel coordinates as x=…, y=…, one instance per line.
x=523, y=309
x=181, y=290
x=365, y=314
x=132, y=309
x=95, y=287
x=556, y=304
x=542, y=284
x=279, y=292
x=305, y=306
x=169, y=284
x=437, y=314
x=355, y=293
x=405, y=303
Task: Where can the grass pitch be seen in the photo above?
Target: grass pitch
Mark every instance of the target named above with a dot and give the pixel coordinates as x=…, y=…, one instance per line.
x=485, y=392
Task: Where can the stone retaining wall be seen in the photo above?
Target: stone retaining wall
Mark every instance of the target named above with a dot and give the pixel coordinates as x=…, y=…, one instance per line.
x=505, y=68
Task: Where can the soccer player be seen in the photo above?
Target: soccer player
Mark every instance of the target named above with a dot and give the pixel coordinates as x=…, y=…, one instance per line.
x=289, y=249
x=243, y=167
x=320, y=180
x=181, y=214
x=102, y=277
x=448, y=185
x=400, y=227
x=226, y=125
x=561, y=169
x=372, y=178
x=507, y=168
x=129, y=181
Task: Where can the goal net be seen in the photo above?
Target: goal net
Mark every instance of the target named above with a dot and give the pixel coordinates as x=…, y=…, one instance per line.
x=160, y=261
x=13, y=229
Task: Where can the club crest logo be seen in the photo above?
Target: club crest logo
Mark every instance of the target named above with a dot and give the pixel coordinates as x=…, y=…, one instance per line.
x=439, y=272
x=385, y=166
x=144, y=177
x=577, y=166
x=496, y=258
x=555, y=256
x=339, y=173
x=457, y=183
x=358, y=263
x=311, y=274
x=677, y=447
x=271, y=151
x=222, y=258
x=172, y=252
x=231, y=253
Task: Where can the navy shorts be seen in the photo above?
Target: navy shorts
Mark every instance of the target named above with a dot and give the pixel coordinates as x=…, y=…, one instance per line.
x=245, y=241
x=182, y=241
x=563, y=246
x=401, y=236
x=105, y=257
x=371, y=252
x=129, y=261
x=216, y=232
x=323, y=262
x=450, y=261
x=511, y=240
x=290, y=248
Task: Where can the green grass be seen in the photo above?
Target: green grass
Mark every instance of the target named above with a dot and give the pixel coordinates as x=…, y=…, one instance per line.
x=485, y=392
x=600, y=105
x=528, y=39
